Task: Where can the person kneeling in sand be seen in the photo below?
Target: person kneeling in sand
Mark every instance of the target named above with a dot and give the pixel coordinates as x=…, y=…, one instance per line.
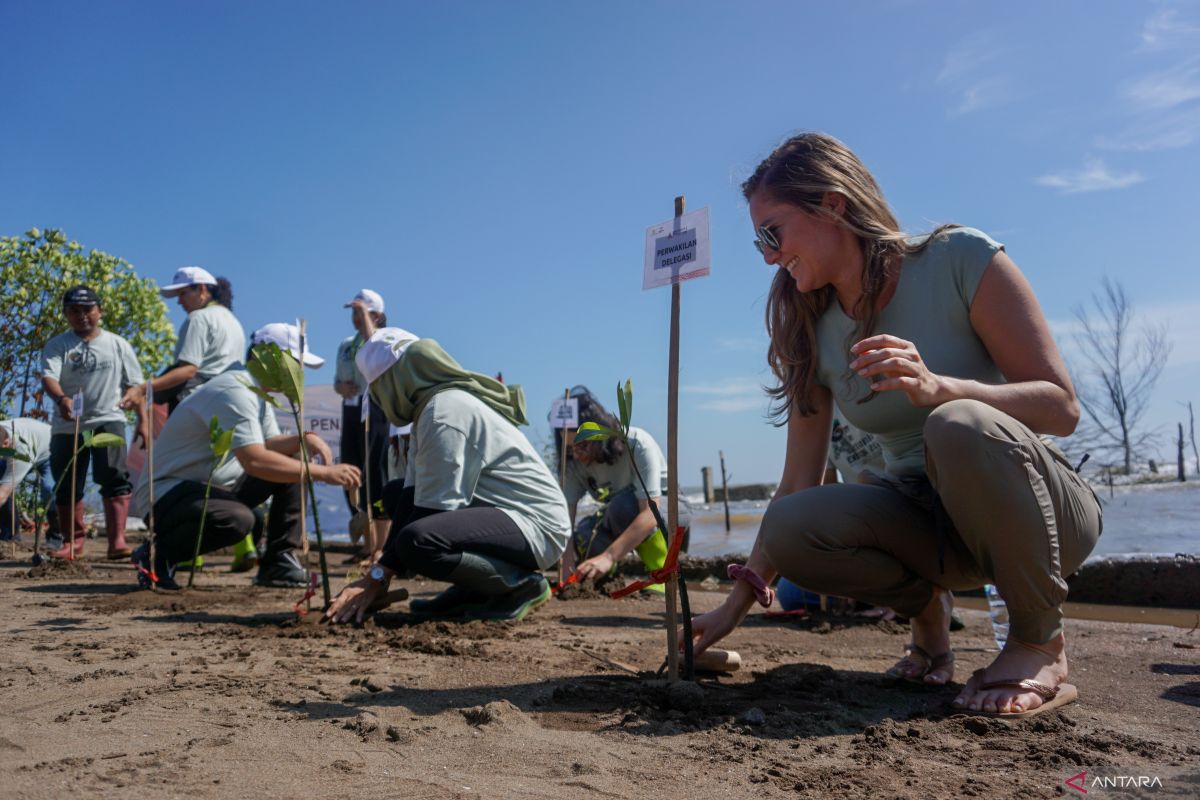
x=480, y=508
x=262, y=467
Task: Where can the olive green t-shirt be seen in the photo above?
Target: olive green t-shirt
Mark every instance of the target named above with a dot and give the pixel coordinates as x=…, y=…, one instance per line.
x=931, y=308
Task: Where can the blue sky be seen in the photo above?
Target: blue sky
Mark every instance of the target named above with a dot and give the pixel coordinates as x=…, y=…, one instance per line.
x=491, y=168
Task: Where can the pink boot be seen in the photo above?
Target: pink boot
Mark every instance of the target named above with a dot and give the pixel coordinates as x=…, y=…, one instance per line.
x=116, y=511
x=64, y=526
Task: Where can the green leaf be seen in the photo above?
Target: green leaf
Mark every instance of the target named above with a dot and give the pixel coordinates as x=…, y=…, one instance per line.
x=592, y=432
x=214, y=429
x=628, y=395
x=106, y=440
x=265, y=396
x=8, y=452
x=292, y=375
x=223, y=444
x=622, y=409
x=87, y=438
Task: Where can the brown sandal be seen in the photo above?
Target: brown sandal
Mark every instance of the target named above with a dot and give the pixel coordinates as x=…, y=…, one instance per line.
x=932, y=663
x=1052, y=696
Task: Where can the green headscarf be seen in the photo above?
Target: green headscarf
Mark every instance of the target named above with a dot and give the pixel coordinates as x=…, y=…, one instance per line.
x=426, y=369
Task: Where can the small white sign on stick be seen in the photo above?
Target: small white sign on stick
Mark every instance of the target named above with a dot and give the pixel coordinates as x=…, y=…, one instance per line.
x=564, y=413
x=677, y=250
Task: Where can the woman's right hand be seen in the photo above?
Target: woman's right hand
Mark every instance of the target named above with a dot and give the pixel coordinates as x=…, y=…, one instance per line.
x=710, y=628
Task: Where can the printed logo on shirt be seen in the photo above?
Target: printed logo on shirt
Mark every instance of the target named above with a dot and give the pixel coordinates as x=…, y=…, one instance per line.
x=84, y=360
x=852, y=446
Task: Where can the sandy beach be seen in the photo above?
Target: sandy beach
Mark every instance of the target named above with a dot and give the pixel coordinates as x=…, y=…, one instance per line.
x=222, y=691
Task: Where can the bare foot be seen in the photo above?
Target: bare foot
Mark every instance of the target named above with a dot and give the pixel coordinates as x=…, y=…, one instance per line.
x=1044, y=663
x=931, y=633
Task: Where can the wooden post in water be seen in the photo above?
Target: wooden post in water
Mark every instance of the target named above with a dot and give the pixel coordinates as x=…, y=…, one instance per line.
x=725, y=489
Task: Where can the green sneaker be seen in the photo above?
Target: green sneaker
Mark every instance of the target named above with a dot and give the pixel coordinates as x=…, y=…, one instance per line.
x=517, y=603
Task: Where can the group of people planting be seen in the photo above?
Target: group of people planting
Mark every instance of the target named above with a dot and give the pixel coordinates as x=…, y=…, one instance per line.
x=934, y=344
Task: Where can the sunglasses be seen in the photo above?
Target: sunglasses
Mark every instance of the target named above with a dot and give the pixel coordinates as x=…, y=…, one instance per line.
x=767, y=240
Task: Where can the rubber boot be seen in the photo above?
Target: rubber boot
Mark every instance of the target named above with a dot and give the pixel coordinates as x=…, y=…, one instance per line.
x=245, y=557
x=514, y=591
x=64, y=525
x=116, y=511
x=653, y=553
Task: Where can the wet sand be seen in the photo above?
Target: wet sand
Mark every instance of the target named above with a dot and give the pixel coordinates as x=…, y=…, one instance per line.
x=221, y=691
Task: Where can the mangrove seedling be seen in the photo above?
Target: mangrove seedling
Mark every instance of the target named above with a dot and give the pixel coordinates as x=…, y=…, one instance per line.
x=594, y=432
x=220, y=442
x=277, y=370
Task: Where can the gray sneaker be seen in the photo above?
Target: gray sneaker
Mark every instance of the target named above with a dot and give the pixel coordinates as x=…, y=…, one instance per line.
x=282, y=571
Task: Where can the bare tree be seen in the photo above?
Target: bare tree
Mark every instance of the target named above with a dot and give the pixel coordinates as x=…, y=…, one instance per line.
x=1119, y=370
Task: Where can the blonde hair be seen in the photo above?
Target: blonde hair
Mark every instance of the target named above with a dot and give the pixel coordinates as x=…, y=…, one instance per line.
x=801, y=172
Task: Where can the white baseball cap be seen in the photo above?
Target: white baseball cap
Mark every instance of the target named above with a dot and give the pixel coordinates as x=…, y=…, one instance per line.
x=370, y=298
x=185, y=277
x=381, y=351
x=288, y=338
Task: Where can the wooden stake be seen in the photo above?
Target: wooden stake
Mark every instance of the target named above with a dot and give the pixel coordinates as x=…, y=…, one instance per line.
x=303, y=483
x=366, y=421
x=12, y=471
x=148, y=417
x=562, y=481
x=673, y=472
x=724, y=489
x=74, y=472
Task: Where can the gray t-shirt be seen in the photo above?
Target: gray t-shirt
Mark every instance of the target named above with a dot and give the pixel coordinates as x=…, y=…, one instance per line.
x=212, y=340
x=102, y=368
x=462, y=450
x=182, y=450
x=347, y=370
x=31, y=438
x=616, y=478
x=932, y=309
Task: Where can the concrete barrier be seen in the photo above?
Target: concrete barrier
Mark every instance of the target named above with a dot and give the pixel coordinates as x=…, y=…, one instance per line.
x=1149, y=580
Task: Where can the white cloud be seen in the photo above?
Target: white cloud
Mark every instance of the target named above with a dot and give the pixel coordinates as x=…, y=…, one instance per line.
x=1157, y=132
x=742, y=343
x=1165, y=30
x=1094, y=177
x=966, y=73
x=1166, y=89
x=730, y=395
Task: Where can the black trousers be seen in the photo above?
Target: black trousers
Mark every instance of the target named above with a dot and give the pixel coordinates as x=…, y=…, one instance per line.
x=108, y=465
x=230, y=516
x=356, y=450
x=595, y=532
x=431, y=543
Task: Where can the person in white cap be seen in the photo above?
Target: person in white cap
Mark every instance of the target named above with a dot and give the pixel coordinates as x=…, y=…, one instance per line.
x=479, y=508
x=366, y=314
x=211, y=340
x=263, y=467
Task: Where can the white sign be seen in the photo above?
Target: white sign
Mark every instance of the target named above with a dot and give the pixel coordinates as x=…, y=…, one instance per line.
x=677, y=250
x=77, y=405
x=564, y=413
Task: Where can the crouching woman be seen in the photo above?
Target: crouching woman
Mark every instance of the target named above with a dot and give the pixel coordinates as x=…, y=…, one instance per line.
x=479, y=509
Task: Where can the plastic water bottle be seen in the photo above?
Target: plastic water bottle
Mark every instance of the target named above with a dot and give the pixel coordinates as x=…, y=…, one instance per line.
x=998, y=611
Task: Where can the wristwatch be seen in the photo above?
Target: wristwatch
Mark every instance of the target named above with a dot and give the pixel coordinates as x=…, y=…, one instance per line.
x=377, y=574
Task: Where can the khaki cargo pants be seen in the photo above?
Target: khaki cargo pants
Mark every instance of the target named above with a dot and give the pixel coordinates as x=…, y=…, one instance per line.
x=1018, y=517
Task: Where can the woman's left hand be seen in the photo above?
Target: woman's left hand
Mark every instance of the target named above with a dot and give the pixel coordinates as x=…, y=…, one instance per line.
x=595, y=568
x=891, y=363
x=318, y=449
x=352, y=602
